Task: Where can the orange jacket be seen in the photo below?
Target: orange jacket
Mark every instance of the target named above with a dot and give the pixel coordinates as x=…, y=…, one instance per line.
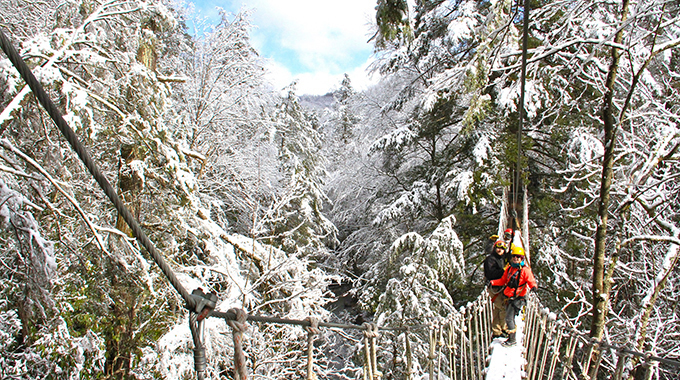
x=526, y=281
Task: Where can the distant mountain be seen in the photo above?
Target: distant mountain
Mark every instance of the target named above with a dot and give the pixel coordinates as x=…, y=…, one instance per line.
x=317, y=102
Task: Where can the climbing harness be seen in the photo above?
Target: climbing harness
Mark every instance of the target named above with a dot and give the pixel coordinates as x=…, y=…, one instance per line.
x=512, y=278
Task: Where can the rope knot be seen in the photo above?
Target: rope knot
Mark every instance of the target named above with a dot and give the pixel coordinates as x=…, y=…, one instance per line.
x=313, y=328
x=648, y=357
x=371, y=330
x=239, y=324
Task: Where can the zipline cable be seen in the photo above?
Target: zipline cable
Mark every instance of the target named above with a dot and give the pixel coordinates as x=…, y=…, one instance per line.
x=520, y=126
x=72, y=139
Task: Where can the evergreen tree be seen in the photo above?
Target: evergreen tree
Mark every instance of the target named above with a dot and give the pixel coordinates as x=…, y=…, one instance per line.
x=104, y=310
x=296, y=221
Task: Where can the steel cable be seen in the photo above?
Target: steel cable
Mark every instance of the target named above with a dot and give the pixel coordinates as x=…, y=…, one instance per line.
x=522, y=112
x=196, y=327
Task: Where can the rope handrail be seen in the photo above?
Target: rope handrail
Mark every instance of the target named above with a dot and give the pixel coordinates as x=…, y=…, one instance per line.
x=571, y=331
x=549, y=333
x=230, y=316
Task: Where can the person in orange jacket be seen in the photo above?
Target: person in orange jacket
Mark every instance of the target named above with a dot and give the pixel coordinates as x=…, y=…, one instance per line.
x=517, y=280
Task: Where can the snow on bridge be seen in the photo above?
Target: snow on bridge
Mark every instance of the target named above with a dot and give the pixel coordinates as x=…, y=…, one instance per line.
x=507, y=362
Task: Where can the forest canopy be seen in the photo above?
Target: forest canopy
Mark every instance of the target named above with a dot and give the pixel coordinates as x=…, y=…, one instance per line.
x=271, y=199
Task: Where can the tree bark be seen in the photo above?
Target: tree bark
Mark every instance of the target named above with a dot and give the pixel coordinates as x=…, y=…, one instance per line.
x=130, y=185
x=600, y=296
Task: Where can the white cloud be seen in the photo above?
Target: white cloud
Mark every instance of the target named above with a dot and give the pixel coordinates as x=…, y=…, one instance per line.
x=317, y=40
x=312, y=41
x=360, y=77
x=304, y=21
x=278, y=75
x=318, y=82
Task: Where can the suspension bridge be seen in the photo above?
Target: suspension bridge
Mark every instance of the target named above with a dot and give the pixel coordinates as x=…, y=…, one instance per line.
x=460, y=345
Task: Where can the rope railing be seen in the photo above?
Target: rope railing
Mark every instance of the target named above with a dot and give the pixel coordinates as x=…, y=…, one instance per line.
x=457, y=344
x=557, y=351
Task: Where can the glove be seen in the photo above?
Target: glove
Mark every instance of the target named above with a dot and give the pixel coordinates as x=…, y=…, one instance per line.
x=493, y=237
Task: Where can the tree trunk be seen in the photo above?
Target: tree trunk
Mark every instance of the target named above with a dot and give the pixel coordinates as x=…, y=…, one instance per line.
x=120, y=343
x=119, y=334
x=130, y=185
x=600, y=296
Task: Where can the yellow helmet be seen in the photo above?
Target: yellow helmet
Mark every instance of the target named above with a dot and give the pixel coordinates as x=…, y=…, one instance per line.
x=516, y=250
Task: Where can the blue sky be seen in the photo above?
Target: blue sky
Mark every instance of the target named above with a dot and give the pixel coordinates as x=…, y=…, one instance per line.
x=312, y=41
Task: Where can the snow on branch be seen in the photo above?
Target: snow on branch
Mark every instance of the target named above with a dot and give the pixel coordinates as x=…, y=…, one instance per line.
x=7, y=145
x=394, y=140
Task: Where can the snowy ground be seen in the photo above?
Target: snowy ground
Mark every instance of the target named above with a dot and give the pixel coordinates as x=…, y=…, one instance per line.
x=507, y=362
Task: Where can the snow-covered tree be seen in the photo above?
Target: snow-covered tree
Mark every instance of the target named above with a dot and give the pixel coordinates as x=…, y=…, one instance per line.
x=221, y=114
x=296, y=222
x=104, y=310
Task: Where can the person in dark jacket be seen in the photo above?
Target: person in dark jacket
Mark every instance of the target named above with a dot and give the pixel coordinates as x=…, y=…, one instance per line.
x=494, y=268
